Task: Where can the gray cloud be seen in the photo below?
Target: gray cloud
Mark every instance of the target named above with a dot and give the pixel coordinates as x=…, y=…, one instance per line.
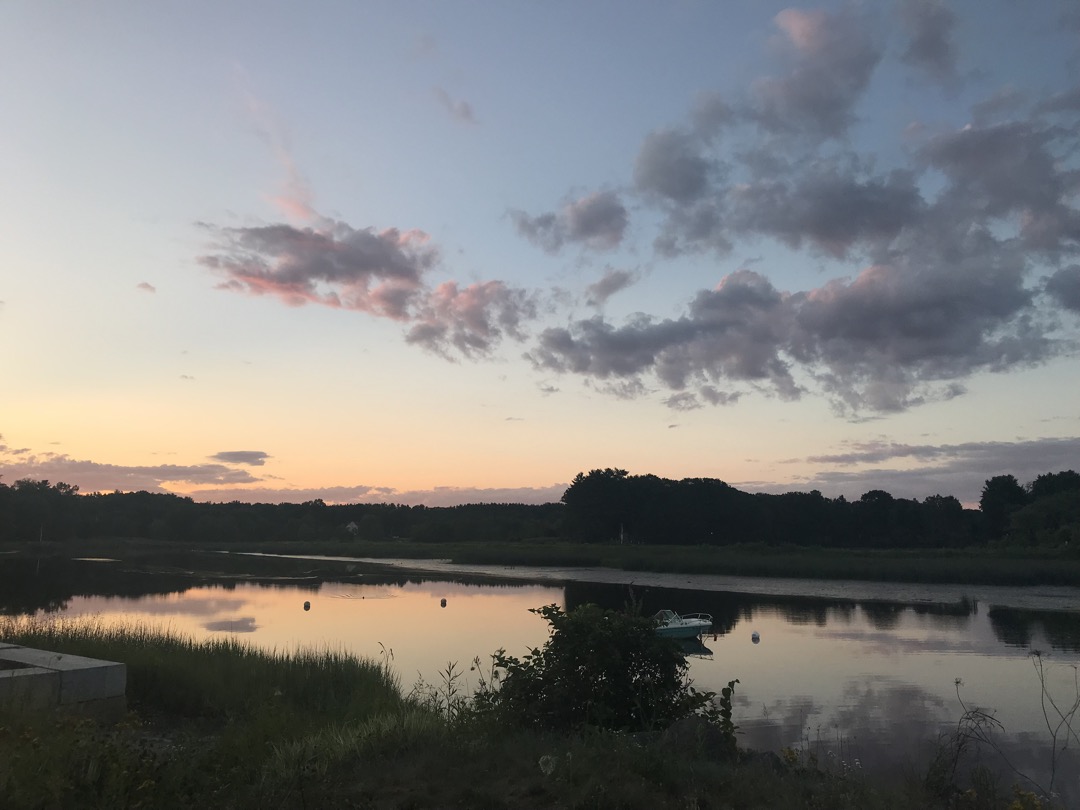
x=734, y=332
x=597, y=221
x=1004, y=102
x=712, y=114
x=221, y=483
x=949, y=241
x=15, y=451
x=683, y=401
x=91, y=476
x=1011, y=169
x=949, y=469
x=931, y=27
x=715, y=397
x=831, y=207
x=899, y=334
x=544, y=230
x=833, y=56
x=377, y=272
x=254, y=458
x=382, y=273
x=880, y=339
x=694, y=228
x=610, y=283
x=1064, y=285
x=439, y=496
x=460, y=110
x=671, y=166
x=1064, y=102
x=947, y=289
x=471, y=320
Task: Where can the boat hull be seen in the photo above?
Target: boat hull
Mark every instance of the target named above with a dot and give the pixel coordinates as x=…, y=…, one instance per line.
x=688, y=630
x=670, y=624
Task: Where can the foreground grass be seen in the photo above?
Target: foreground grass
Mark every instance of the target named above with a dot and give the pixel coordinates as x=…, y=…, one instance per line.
x=219, y=705
x=219, y=724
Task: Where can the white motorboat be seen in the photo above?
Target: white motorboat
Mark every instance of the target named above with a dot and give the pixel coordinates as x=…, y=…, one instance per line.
x=671, y=625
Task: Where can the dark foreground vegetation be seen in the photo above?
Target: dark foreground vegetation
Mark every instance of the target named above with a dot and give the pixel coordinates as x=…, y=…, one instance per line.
x=602, y=716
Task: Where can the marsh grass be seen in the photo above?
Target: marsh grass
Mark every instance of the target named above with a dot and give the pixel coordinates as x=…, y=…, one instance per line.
x=220, y=706
x=961, y=566
x=973, y=565
x=219, y=678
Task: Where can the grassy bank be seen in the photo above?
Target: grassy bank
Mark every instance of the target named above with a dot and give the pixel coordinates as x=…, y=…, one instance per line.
x=960, y=566
x=953, y=566
x=218, y=724
x=967, y=566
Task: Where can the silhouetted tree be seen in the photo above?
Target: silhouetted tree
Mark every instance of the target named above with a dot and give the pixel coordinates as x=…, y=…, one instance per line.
x=1053, y=483
x=1001, y=496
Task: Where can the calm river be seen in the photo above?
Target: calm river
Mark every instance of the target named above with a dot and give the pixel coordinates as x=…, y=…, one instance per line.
x=863, y=674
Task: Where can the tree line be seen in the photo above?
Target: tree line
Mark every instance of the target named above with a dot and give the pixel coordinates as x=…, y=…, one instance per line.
x=603, y=505
x=612, y=505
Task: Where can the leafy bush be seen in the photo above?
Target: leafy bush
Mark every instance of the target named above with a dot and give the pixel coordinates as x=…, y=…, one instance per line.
x=598, y=668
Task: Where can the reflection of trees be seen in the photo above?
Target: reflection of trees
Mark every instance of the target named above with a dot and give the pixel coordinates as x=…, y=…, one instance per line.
x=943, y=615
x=30, y=584
x=724, y=607
x=948, y=615
x=48, y=584
x=883, y=615
x=805, y=610
x=812, y=613
x=1017, y=626
x=727, y=609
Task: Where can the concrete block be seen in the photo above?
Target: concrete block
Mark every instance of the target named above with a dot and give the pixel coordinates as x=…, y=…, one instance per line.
x=36, y=679
x=29, y=689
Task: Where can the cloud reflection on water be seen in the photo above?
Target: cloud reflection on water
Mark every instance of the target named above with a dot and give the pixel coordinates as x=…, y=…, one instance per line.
x=241, y=624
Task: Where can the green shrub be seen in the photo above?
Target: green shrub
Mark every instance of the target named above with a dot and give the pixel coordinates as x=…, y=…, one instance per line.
x=598, y=668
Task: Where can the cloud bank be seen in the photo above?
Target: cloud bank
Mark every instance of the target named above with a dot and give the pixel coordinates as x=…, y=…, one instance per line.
x=222, y=482
x=954, y=257
x=918, y=471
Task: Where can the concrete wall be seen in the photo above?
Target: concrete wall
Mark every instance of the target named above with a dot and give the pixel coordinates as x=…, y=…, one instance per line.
x=38, y=680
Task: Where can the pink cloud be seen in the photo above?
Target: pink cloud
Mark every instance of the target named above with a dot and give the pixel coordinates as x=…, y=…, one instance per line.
x=379, y=272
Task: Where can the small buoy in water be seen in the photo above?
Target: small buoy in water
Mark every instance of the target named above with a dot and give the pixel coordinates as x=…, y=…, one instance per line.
x=442, y=602
x=754, y=637
x=307, y=605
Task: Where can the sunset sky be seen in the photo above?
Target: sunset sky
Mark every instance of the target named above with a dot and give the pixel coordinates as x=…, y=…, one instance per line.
x=446, y=252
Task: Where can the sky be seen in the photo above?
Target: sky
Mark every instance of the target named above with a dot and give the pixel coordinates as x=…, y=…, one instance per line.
x=439, y=253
